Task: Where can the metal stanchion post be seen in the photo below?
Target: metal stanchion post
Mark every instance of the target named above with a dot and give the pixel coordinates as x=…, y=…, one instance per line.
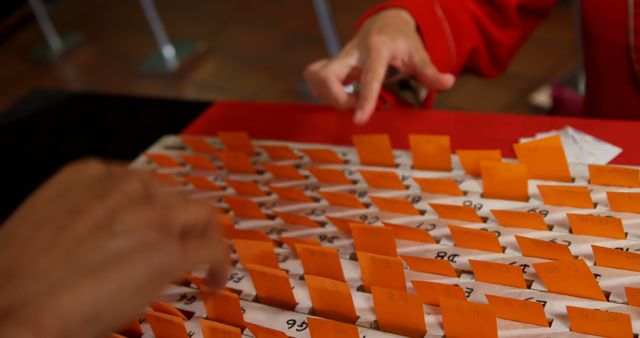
x=327, y=26
x=56, y=44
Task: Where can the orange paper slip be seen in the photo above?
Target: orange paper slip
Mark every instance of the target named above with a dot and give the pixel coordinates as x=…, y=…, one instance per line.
x=320, y=261
x=297, y=219
x=212, y=329
x=166, y=326
x=430, y=265
x=394, y=205
x=255, y=252
x=524, y=311
x=545, y=159
x=409, y=233
x=236, y=141
x=624, y=201
x=571, y=277
x=198, y=144
x=168, y=309
x=533, y=247
x=399, y=312
x=279, y=152
x=326, y=328
x=331, y=298
x=199, y=162
x=265, y=332
x=463, y=319
x=430, y=293
x=236, y=162
x=520, y=219
x=617, y=259
x=272, y=286
x=566, y=196
x=329, y=175
x=202, y=183
x=599, y=322
x=614, y=176
x=383, y=271
x=497, y=273
x=382, y=179
x=475, y=239
x=456, y=212
x=291, y=194
x=284, y=172
x=470, y=159
x=246, y=188
x=374, y=149
x=224, y=306
x=245, y=208
x=323, y=155
x=163, y=160
x=598, y=226
x=507, y=181
x=342, y=199
x=374, y=239
x=633, y=296
x=430, y=152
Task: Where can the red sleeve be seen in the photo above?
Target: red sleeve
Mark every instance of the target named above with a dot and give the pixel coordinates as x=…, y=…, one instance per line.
x=478, y=36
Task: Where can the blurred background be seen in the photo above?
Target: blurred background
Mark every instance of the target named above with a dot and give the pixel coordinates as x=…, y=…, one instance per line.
x=245, y=50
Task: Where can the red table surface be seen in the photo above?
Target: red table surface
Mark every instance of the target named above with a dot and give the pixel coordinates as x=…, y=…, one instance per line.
x=468, y=130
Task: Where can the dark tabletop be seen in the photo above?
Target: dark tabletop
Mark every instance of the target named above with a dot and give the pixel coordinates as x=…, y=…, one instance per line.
x=46, y=129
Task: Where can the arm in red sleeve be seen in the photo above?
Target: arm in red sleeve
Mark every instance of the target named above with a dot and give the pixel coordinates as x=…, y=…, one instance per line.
x=478, y=36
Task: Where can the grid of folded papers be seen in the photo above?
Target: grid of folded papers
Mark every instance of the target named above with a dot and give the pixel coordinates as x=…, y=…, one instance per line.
x=368, y=241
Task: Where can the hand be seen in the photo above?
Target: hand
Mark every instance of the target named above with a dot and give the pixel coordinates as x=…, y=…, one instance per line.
x=90, y=248
x=387, y=39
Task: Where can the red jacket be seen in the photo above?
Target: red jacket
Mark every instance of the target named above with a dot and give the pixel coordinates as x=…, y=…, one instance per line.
x=481, y=36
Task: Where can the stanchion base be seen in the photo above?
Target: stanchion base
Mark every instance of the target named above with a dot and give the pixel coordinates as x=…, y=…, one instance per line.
x=70, y=41
x=187, y=53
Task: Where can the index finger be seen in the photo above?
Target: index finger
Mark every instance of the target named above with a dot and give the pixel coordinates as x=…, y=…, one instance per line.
x=373, y=73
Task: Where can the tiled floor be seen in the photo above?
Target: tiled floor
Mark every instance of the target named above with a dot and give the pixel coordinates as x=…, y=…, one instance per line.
x=257, y=51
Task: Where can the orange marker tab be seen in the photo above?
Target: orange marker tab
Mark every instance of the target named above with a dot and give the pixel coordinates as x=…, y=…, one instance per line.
x=320, y=261
x=167, y=309
x=342, y=199
x=502, y=180
x=291, y=242
x=166, y=179
x=430, y=265
x=272, y=286
x=245, y=208
x=430, y=152
x=198, y=144
x=280, y=152
x=224, y=306
x=633, y=296
x=382, y=179
x=614, y=176
x=461, y=318
x=520, y=219
x=291, y=194
x=252, y=235
x=323, y=155
x=202, y=183
x=199, y=162
x=166, y=326
x=518, y=310
x=617, y=259
x=599, y=322
x=409, y=233
x=470, y=159
x=398, y=312
x=576, y=196
x=456, y=212
x=497, y=273
x=246, y=188
x=212, y=329
x=256, y=253
x=599, y=226
x=571, y=278
x=342, y=224
x=265, y=332
x=236, y=141
x=284, y=172
x=444, y=186
x=132, y=328
x=545, y=159
x=163, y=160
x=374, y=239
x=430, y=293
x=394, y=205
x=331, y=299
x=297, y=219
x=374, y=149
x=533, y=247
x=475, y=239
x=383, y=271
x=329, y=175
x=326, y=328
x=624, y=201
x=236, y=162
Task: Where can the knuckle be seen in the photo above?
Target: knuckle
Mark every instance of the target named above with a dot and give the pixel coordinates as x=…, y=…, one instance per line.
x=376, y=41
